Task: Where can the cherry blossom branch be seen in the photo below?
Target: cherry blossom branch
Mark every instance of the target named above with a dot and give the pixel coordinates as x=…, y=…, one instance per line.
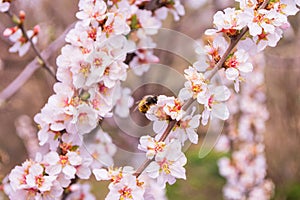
x=171, y=125
x=22, y=78
x=41, y=60
x=233, y=42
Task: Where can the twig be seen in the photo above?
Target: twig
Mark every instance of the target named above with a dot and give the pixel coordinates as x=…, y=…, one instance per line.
x=233, y=43
x=22, y=78
x=41, y=60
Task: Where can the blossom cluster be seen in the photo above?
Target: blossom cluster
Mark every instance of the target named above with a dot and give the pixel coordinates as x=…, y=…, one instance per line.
x=245, y=169
x=265, y=23
x=90, y=70
x=51, y=173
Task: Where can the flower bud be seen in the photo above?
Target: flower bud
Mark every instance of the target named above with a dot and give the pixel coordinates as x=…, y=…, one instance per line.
x=22, y=16
x=9, y=31
x=36, y=29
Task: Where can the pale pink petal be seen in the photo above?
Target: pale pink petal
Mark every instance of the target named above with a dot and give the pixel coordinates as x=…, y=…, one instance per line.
x=231, y=73
x=221, y=93
x=247, y=67
x=101, y=174
x=220, y=111
x=153, y=170
x=69, y=171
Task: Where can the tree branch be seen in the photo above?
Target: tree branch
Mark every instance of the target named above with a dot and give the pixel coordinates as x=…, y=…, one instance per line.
x=186, y=105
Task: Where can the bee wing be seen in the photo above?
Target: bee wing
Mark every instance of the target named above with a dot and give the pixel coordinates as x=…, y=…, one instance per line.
x=137, y=105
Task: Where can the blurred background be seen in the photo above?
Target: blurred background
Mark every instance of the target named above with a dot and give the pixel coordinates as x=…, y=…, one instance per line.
x=282, y=137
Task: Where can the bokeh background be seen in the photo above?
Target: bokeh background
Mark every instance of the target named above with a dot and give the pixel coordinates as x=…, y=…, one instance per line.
x=282, y=137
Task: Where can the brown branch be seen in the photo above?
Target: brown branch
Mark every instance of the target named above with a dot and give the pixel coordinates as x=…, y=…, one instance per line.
x=22, y=78
x=42, y=61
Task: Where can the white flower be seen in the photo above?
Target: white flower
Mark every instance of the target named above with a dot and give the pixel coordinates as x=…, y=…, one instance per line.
x=247, y=4
x=124, y=185
x=268, y=39
x=99, y=61
x=195, y=86
x=187, y=128
x=213, y=104
x=151, y=146
x=160, y=113
x=91, y=11
x=21, y=43
x=226, y=22
x=236, y=64
x=101, y=150
x=29, y=181
x=287, y=7
x=178, y=10
x=116, y=24
x=153, y=191
x=129, y=188
x=174, y=109
x=17, y=176
x=37, y=180
x=85, y=118
x=123, y=101
x=114, y=175
x=148, y=22
x=262, y=21
x=70, y=164
x=168, y=165
x=141, y=62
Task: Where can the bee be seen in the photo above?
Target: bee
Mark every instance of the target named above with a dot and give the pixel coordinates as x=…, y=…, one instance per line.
x=145, y=104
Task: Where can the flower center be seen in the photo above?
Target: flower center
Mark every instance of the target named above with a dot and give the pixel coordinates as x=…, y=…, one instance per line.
x=39, y=180
x=64, y=160
x=125, y=193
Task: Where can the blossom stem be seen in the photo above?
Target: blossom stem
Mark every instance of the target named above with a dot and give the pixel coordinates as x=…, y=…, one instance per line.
x=42, y=61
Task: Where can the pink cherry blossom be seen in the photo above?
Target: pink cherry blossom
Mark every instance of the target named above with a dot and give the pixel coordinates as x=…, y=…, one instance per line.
x=101, y=150
x=70, y=164
x=151, y=146
x=21, y=43
x=236, y=64
x=129, y=188
x=226, y=22
x=187, y=128
x=195, y=86
x=168, y=165
x=214, y=105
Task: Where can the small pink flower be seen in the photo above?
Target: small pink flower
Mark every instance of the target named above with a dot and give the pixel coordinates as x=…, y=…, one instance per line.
x=168, y=165
x=151, y=146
